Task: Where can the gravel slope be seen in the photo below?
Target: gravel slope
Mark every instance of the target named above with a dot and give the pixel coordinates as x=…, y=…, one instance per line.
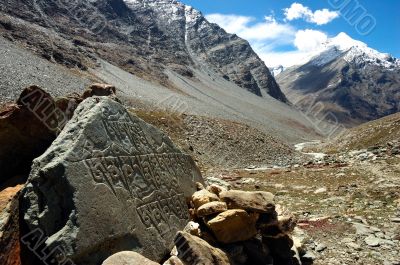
x=20, y=68
x=207, y=95
x=212, y=96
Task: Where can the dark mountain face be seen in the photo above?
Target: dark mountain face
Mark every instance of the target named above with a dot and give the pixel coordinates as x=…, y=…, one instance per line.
x=145, y=37
x=349, y=87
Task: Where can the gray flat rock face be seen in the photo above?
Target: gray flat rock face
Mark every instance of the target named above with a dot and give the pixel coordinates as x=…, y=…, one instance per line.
x=110, y=182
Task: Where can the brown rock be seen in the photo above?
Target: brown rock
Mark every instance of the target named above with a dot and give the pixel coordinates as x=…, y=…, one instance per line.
x=128, y=258
x=194, y=250
x=192, y=214
x=284, y=225
x=234, y=226
x=26, y=131
x=236, y=254
x=68, y=104
x=281, y=250
x=199, y=186
x=209, y=237
x=193, y=228
x=211, y=208
x=202, y=197
x=258, y=201
x=100, y=90
x=398, y=203
x=287, y=223
x=257, y=252
x=173, y=261
x=268, y=218
x=9, y=226
x=216, y=189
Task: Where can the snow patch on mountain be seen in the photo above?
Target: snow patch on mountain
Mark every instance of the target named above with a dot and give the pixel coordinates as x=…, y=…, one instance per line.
x=275, y=71
x=326, y=56
x=353, y=50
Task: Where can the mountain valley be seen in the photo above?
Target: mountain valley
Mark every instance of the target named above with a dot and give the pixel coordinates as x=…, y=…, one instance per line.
x=136, y=131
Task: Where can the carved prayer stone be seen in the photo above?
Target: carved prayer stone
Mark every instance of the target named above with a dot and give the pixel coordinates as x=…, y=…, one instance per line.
x=110, y=182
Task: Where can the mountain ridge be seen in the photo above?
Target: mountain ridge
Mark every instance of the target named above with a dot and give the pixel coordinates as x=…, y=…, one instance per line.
x=151, y=36
x=350, y=82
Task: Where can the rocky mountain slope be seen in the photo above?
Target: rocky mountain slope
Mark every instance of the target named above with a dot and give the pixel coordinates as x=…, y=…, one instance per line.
x=345, y=81
x=171, y=59
x=143, y=36
x=217, y=144
x=369, y=135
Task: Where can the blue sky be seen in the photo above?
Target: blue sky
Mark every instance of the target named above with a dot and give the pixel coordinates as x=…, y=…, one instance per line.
x=288, y=30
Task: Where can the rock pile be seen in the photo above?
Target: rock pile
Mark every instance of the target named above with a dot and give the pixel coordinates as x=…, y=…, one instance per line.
x=230, y=227
x=234, y=227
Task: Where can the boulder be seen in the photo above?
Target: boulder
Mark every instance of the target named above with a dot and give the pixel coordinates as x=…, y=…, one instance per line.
x=219, y=182
x=372, y=241
x=251, y=252
x=26, y=131
x=258, y=201
x=128, y=258
x=287, y=224
x=211, y=208
x=202, y=197
x=257, y=252
x=216, y=189
x=110, y=182
x=68, y=104
x=9, y=226
x=281, y=250
x=100, y=90
x=236, y=254
x=194, y=250
x=173, y=261
x=283, y=226
x=234, y=226
x=193, y=228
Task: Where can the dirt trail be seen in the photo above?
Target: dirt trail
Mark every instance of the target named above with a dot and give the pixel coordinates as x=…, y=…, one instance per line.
x=317, y=156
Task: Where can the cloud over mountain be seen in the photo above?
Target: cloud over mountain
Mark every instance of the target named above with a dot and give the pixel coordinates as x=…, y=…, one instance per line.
x=319, y=17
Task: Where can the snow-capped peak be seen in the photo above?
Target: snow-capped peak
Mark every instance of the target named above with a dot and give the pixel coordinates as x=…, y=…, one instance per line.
x=276, y=70
x=354, y=50
x=344, y=42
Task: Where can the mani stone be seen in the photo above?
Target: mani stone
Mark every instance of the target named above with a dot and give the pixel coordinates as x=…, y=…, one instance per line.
x=110, y=182
x=258, y=201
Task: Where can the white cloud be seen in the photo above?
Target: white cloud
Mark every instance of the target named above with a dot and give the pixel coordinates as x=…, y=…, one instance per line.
x=231, y=23
x=296, y=11
x=324, y=16
x=319, y=17
x=309, y=40
x=247, y=28
x=308, y=43
x=267, y=36
x=286, y=59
